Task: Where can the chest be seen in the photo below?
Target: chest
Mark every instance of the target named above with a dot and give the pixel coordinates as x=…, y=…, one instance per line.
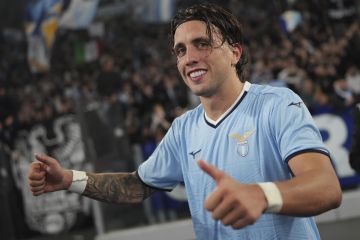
x=235, y=146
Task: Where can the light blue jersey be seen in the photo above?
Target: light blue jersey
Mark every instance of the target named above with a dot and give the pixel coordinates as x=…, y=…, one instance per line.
x=253, y=142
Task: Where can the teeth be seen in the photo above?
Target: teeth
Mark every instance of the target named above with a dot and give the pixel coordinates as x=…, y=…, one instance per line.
x=197, y=73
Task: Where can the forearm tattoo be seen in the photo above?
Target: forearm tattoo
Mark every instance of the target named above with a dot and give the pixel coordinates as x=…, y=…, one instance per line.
x=117, y=188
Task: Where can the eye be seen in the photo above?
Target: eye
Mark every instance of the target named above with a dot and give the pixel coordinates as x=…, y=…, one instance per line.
x=179, y=51
x=203, y=45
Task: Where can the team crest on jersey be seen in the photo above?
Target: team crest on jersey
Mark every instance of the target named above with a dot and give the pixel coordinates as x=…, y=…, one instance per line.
x=242, y=146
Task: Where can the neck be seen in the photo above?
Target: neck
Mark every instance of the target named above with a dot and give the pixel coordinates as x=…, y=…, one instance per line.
x=217, y=104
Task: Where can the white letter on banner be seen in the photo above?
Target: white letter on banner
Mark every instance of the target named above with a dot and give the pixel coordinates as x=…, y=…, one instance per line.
x=336, y=128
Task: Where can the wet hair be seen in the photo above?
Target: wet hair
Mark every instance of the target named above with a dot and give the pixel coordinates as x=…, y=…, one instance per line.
x=214, y=16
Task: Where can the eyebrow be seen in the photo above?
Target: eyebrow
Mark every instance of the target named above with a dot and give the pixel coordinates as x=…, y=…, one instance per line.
x=177, y=46
x=195, y=40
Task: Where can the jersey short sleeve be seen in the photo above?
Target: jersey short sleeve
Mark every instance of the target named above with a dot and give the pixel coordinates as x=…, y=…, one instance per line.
x=162, y=169
x=294, y=128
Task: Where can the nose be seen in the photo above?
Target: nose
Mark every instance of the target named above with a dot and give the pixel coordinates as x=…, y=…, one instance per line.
x=192, y=56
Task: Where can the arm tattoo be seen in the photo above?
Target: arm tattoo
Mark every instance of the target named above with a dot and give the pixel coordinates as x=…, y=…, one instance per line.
x=117, y=188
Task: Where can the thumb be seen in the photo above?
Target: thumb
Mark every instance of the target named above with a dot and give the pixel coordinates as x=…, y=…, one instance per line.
x=46, y=160
x=211, y=170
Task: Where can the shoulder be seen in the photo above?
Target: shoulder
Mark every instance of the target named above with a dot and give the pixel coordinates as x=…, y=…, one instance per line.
x=357, y=107
x=356, y=114
x=274, y=96
x=189, y=116
x=272, y=92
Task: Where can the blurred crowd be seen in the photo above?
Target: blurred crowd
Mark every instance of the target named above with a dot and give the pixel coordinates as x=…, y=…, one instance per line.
x=136, y=73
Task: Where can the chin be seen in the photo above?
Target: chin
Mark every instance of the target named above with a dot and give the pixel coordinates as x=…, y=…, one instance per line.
x=198, y=92
x=203, y=93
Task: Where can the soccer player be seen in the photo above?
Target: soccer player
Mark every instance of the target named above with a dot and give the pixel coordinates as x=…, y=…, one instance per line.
x=253, y=162
x=354, y=156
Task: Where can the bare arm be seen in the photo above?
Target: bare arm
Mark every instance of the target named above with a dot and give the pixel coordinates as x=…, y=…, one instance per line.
x=117, y=188
x=48, y=176
x=314, y=189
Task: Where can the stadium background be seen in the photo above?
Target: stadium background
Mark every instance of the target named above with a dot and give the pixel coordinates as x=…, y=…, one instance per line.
x=94, y=84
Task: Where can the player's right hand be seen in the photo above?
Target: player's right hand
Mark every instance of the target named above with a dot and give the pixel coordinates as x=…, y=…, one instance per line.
x=233, y=203
x=48, y=176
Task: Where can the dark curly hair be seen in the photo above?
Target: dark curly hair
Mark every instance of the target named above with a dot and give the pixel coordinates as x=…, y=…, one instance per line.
x=213, y=16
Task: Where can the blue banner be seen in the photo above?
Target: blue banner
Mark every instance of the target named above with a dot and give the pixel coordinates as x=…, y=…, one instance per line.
x=336, y=128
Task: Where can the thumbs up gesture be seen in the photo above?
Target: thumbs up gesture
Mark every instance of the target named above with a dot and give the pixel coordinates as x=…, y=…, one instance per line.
x=46, y=175
x=233, y=203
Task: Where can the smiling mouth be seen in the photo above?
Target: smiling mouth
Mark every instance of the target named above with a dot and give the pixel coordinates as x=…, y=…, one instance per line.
x=197, y=75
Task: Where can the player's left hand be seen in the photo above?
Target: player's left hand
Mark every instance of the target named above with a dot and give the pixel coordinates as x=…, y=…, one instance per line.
x=233, y=203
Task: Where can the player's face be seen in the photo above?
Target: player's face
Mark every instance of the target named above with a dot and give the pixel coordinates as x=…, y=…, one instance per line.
x=205, y=66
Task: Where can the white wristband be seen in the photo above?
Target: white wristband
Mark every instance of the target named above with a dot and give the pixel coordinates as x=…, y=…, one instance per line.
x=273, y=197
x=79, y=182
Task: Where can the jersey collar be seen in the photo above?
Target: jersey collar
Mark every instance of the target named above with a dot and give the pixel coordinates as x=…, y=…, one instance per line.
x=216, y=123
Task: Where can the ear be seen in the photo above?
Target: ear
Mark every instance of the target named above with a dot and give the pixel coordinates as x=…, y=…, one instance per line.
x=237, y=52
